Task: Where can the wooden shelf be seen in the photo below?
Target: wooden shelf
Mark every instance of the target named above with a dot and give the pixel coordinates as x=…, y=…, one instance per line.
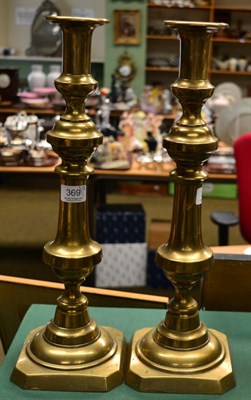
x=227, y=72
x=161, y=37
x=232, y=40
x=16, y=108
x=209, y=11
x=226, y=8
x=40, y=111
x=214, y=39
x=38, y=58
x=151, y=5
x=31, y=58
x=168, y=69
x=212, y=71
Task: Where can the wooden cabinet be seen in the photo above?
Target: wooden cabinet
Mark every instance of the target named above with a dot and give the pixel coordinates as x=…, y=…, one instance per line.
x=230, y=55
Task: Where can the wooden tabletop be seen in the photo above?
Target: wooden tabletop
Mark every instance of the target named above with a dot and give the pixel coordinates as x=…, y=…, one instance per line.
x=160, y=172
x=137, y=171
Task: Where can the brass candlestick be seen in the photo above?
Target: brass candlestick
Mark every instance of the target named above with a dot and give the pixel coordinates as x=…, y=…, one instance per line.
x=72, y=352
x=181, y=355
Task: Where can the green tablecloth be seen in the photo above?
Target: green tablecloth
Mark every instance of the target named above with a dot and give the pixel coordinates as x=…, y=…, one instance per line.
x=237, y=326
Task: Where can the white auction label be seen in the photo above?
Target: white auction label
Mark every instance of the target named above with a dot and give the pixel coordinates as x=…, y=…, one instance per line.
x=73, y=194
x=198, y=196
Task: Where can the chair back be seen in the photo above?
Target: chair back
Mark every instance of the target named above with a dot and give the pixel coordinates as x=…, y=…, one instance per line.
x=242, y=150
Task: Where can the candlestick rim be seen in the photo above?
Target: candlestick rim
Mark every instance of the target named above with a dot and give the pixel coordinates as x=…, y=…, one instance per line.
x=196, y=24
x=70, y=19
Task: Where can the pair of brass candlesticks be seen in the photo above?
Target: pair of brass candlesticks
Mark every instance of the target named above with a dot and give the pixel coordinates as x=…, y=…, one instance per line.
x=180, y=355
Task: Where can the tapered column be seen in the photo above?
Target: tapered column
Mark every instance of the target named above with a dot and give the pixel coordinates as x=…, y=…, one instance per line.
x=72, y=352
x=181, y=355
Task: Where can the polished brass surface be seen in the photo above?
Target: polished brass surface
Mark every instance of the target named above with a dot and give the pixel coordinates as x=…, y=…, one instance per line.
x=147, y=376
x=182, y=355
x=72, y=346
x=102, y=377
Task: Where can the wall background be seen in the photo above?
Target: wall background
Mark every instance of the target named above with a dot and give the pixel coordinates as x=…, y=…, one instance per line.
x=17, y=35
x=112, y=51
x=104, y=53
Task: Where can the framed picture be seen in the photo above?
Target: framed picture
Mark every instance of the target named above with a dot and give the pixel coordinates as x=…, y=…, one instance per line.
x=127, y=27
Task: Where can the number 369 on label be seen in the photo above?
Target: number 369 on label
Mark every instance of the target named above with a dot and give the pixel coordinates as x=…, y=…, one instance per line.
x=73, y=194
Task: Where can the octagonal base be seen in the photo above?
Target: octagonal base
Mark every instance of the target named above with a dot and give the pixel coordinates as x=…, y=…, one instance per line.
x=148, y=378
x=99, y=378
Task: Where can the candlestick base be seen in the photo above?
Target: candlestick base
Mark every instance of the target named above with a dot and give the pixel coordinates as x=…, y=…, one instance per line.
x=180, y=371
x=100, y=375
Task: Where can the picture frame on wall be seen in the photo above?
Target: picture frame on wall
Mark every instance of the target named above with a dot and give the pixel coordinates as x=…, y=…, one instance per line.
x=127, y=27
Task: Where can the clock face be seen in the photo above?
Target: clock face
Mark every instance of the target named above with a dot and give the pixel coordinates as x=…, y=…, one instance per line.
x=4, y=81
x=125, y=70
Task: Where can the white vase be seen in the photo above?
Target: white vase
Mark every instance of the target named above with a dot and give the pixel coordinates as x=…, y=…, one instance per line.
x=54, y=72
x=242, y=63
x=36, y=77
x=233, y=62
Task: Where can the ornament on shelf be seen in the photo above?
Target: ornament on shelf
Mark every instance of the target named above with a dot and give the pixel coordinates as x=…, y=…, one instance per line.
x=54, y=72
x=36, y=77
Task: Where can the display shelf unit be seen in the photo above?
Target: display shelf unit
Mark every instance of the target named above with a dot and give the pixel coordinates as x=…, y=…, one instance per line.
x=161, y=47
x=24, y=63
